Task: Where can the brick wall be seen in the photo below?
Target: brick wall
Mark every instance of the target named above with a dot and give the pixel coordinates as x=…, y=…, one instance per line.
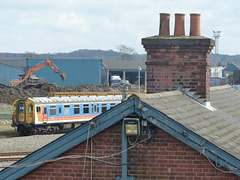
x=168, y=158
x=178, y=61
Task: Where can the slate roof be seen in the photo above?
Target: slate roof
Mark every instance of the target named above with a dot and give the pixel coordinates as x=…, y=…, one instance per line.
x=214, y=132
x=220, y=126
x=127, y=65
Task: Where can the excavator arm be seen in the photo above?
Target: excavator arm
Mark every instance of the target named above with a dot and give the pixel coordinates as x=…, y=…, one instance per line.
x=44, y=63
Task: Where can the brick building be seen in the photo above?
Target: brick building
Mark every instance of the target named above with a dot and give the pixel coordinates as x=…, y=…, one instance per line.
x=183, y=134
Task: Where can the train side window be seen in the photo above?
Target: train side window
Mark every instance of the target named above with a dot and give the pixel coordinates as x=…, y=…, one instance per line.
x=52, y=110
x=112, y=105
x=38, y=109
x=85, y=108
x=76, y=109
x=67, y=110
x=30, y=108
x=104, y=107
x=15, y=108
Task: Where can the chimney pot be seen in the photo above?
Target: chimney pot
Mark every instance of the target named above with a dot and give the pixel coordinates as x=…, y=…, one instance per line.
x=164, y=24
x=195, y=25
x=179, y=25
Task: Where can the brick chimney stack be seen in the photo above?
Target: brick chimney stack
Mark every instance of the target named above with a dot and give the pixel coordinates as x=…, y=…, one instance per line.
x=179, y=60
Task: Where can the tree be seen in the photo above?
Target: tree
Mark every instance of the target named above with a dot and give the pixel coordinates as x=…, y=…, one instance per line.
x=127, y=53
x=32, y=55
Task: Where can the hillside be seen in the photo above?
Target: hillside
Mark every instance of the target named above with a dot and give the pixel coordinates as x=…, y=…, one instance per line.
x=80, y=54
x=109, y=54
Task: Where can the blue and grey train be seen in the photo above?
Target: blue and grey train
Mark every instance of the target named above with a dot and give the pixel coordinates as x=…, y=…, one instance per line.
x=49, y=114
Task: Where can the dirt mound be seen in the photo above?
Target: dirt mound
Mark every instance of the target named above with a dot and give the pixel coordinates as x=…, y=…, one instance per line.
x=8, y=95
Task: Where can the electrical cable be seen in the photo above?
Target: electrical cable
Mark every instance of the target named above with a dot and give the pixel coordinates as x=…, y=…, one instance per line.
x=129, y=141
x=89, y=157
x=84, y=164
x=115, y=164
x=238, y=172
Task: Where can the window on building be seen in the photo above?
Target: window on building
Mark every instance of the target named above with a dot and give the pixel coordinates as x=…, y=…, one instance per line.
x=52, y=110
x=85, y=108
x=104, y=107
x=67, y=110
x=76, y=109
x=30, y=108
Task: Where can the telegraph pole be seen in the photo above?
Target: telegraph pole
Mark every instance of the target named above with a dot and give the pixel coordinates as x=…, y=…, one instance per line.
x=216, y=35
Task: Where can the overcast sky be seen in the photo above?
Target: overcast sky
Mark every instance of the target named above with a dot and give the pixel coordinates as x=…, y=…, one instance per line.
x=51, y=26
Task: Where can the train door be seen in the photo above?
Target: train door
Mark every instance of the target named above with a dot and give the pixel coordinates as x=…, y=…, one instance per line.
x=95, y=108
x=30, y=115
x=21, y=112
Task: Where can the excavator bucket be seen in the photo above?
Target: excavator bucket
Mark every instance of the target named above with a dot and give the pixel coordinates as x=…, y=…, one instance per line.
x=63, y=76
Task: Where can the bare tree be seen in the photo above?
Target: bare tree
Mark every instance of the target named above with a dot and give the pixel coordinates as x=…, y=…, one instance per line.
x=127, y=53
x=32, y=55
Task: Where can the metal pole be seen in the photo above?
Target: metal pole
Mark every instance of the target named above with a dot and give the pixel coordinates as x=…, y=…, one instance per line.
x=139, y=78
x=124, y=154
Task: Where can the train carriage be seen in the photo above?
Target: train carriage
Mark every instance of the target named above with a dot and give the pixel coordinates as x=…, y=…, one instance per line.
x=49, y=114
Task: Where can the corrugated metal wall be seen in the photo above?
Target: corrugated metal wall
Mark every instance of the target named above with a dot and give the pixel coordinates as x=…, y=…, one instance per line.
x=9, y=73
x=78, y=71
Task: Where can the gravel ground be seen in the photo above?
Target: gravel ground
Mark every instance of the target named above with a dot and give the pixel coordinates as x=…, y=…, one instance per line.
x=26, y=143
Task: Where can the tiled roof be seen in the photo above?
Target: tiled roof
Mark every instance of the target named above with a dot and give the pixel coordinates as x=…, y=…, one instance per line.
x=221, y=126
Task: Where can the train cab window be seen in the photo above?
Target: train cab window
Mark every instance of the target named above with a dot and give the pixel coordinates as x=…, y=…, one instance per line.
x=104, y=107
x=15, y=108
x=52, y=110
x=85, y=108
x=30, y=108
x=112, y=105
x=67, y=110
x=21, y=108
x=38, y=109
x=76, y=109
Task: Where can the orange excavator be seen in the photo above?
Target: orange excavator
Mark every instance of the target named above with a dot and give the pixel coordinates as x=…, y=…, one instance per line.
x=29, y=80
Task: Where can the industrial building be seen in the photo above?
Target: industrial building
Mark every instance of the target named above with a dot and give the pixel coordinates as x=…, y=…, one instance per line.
x=78, y=71
x=127, y=70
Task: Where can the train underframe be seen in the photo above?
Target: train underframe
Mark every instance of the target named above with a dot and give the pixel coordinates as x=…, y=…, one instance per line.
x=25, y=130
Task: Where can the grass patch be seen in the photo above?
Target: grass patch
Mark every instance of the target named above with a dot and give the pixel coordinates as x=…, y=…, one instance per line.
x=5, y=114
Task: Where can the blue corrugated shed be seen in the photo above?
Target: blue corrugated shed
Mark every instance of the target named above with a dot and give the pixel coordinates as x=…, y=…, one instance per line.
x=8, y=72
x=78, y=71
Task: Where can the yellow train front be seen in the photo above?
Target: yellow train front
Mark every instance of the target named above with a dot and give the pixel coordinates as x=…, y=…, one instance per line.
x=49, y=114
